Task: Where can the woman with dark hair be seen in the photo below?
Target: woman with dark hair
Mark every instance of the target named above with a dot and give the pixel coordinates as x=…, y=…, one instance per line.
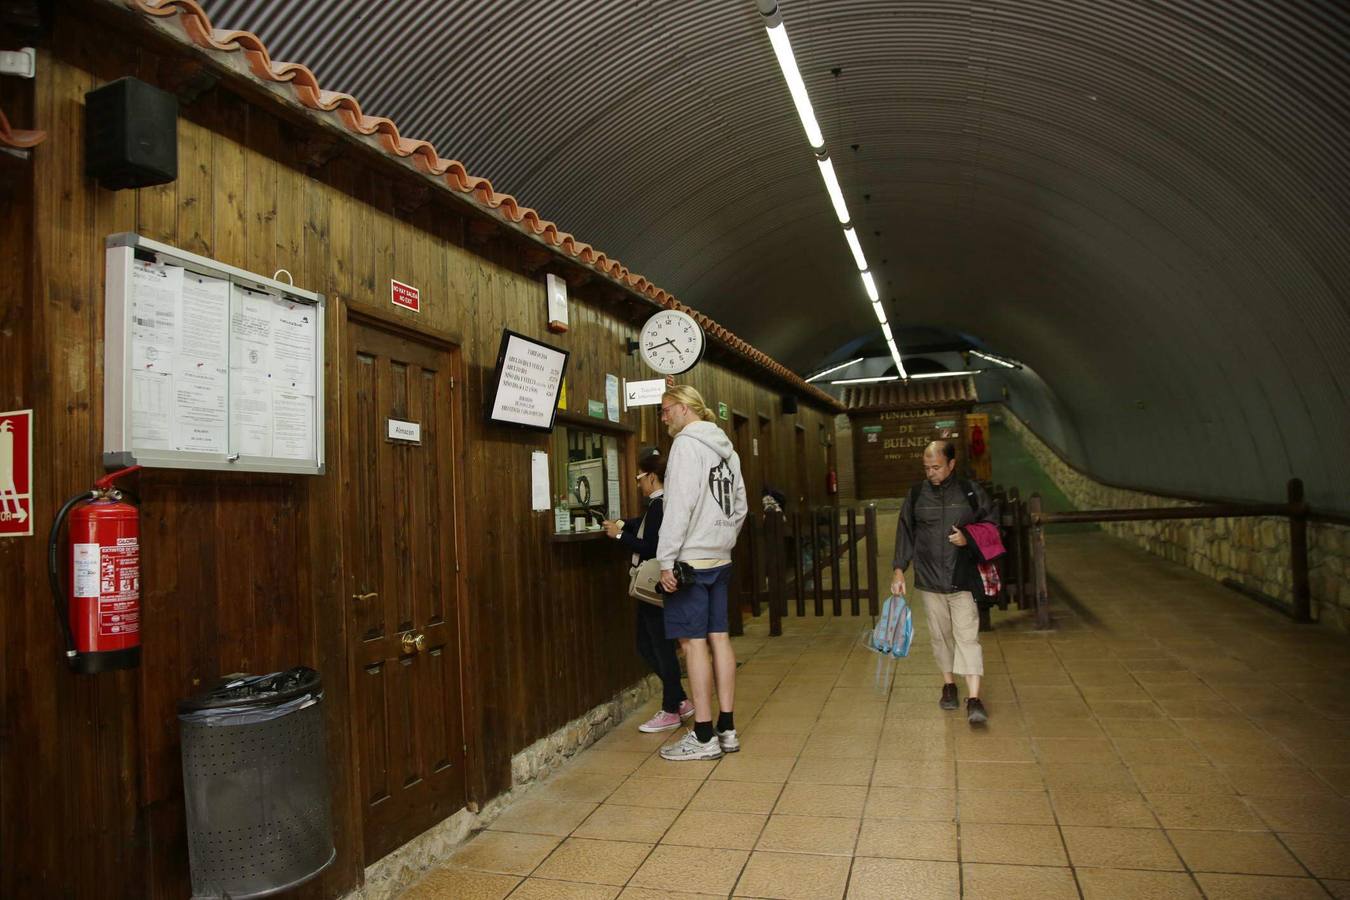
x=639, y=534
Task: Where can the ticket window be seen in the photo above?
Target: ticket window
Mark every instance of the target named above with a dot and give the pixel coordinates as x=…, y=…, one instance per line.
x=588, y=472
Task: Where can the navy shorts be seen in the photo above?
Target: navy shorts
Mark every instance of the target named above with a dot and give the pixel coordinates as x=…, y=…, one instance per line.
x=700, y=609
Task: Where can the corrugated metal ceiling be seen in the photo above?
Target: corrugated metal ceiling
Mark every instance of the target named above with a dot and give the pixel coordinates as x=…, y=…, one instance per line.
x=1145, y=201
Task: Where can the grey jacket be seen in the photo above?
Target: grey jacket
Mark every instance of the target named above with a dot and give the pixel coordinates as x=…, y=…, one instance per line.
x=937, y=510
x=705, y=501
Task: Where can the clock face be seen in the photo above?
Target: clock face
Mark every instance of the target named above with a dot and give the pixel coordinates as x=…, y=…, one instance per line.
x=671, y=342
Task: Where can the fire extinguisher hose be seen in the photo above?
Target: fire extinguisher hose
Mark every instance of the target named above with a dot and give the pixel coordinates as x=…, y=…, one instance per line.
x=54, y=567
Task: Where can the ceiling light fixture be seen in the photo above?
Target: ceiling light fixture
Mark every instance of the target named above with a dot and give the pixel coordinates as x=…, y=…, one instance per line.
x=1007, y=364
x=835, y=368
x=871, y=287
x=852, y=237
x=945, y=374
x=787, y=63
x=867, y=380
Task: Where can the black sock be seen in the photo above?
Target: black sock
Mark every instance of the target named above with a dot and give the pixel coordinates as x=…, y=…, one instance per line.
x=725, y=722
x=703, y=731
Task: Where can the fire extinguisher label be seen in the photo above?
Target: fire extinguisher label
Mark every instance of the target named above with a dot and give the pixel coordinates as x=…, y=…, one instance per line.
x=86, y=570
x=120, y=588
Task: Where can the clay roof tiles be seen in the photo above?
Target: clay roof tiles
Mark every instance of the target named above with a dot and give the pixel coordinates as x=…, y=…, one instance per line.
x=911, y=394
x=197, y=27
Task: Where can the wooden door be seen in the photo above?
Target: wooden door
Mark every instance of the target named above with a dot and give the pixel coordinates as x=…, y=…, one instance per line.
x=400, y=559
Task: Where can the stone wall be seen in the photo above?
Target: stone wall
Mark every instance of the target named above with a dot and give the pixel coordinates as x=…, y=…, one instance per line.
x=1253, y=552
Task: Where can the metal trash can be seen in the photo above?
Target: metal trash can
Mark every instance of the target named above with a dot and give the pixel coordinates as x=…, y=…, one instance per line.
x=255, y=781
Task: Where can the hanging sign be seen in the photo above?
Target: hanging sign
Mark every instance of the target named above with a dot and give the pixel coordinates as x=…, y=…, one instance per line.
x=405, y=295
x=16, y=473
x=557, y=303
x=643, y=393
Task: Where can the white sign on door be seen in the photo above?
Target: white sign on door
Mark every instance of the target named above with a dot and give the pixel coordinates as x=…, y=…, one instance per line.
x=409, y=432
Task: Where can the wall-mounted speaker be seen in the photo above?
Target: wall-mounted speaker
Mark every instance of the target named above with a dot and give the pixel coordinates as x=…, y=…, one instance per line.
x=789, y=405
x=130, y=135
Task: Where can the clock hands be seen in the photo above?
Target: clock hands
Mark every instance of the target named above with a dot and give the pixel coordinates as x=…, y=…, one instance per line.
x=663, y=343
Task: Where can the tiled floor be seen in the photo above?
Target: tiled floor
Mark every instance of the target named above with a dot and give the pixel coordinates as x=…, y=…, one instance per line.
x=1168, y=739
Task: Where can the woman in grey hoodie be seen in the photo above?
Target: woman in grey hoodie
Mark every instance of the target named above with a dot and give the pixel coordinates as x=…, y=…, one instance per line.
x=705, y=505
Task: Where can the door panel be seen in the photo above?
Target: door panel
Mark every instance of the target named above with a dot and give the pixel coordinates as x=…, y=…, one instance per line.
x=400, y=559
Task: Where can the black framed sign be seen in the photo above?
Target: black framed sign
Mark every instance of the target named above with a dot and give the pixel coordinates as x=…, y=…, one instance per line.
x=526, y=383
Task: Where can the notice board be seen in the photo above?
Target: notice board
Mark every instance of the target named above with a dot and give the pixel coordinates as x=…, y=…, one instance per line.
x=207, y=366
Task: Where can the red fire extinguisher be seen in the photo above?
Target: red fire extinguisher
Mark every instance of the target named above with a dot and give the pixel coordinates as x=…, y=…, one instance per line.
x=831, y=482
x=99, y=606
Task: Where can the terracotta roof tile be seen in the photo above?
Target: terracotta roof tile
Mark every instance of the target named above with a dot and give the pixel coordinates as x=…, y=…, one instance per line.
x=18, y=138
x=911, y=394
x=197, y=27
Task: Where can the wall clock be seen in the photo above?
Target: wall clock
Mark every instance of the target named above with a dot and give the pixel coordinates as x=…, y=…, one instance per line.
x=671, y=342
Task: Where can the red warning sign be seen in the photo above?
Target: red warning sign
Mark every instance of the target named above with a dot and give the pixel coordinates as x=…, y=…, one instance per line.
x=16, y=473
x=405, y=295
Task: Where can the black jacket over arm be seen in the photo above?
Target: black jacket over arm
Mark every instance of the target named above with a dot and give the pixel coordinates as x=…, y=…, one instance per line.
x=645, y=546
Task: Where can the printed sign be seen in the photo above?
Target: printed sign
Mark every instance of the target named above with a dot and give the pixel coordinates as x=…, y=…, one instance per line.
x=643, y=393
x=405, y=295
x=557, y=303
x=409, y=432
x=16, y=473
x=595, y=408
x=721, y=410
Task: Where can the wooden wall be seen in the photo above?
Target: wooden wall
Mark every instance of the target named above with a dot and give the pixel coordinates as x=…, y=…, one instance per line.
x=245, y=573
x=888, y=447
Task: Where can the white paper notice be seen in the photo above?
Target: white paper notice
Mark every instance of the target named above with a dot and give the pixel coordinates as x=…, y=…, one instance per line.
x=528, y=389
x=151, y=409
x=250, y=413
x=199, y=407
x=251, y=332
x=292, y=425
x=156, y=299
x=539, y=493
x=612, y=397
x=612, y=477
x=293, y=347
x=204, y=334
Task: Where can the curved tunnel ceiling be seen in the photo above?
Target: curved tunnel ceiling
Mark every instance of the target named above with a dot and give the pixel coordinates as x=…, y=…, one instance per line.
x=1147, y=202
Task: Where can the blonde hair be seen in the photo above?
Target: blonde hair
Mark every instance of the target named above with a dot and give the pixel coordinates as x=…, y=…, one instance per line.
x=690, y=397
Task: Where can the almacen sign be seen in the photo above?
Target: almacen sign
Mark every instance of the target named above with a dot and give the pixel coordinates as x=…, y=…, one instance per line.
x=888, y=446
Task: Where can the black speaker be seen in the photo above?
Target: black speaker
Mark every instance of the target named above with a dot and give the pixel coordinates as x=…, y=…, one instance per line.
x=789, y=406
x=130, y=135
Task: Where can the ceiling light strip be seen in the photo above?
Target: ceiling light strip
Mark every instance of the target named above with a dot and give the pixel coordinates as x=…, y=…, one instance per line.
x=832, y=369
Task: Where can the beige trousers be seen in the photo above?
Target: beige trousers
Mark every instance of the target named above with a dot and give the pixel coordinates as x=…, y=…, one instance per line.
x=954, y=629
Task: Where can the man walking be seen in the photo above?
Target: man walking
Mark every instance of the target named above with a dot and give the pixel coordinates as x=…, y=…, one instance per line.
x=929, y=533
x=705, y=505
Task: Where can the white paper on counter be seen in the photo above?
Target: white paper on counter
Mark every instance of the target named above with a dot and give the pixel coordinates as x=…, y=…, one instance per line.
x=539, y=493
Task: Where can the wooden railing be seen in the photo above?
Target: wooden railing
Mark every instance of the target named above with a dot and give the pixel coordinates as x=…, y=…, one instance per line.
x=791, y=554
x=1295, y=509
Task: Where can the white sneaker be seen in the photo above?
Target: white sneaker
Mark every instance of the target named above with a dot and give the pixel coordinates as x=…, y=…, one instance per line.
x=690, y=747
x=728, y=740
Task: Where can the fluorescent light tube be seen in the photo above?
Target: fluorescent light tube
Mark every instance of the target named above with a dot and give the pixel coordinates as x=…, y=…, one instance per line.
x=871, y=288
x=994, y=359
x=832, y=188
x=852, y=237
x=895, y=355
x=880, y=311
x=945, y=374
x=867, y=380
x=886, y=330
x=835, y=369
x=782, y=48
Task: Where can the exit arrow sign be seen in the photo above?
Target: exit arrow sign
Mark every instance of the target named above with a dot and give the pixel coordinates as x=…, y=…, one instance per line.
x=643, y=393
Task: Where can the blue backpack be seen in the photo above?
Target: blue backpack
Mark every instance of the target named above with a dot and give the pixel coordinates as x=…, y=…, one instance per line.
x=894, y=630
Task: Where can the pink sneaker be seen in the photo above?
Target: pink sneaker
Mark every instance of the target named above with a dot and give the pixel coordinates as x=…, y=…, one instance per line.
x=662, y=721
x=686, y=709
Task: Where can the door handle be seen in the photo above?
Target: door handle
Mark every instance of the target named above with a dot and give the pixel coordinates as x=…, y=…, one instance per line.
x=362, y=598
x=414, y=643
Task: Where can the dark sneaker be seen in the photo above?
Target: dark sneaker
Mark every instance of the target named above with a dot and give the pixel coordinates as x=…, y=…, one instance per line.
x=975, y=712
x=948, y=700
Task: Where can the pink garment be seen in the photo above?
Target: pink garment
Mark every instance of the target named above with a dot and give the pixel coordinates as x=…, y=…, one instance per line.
x=988, y=543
